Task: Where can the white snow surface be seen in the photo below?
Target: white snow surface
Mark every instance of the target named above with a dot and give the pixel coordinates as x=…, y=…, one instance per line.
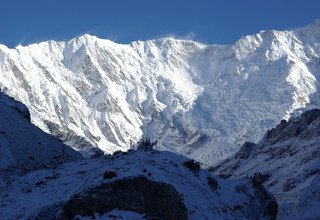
x=202, y=100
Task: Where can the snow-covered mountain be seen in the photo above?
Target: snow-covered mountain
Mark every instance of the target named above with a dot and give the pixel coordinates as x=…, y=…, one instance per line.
x=202, y=100
x=23, y=146
x=288, y=159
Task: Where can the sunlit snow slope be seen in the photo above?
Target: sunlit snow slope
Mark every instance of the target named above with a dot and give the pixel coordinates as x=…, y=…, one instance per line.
x=203, y=101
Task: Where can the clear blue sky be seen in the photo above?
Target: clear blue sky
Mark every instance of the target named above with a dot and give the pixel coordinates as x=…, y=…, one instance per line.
x=209, y=21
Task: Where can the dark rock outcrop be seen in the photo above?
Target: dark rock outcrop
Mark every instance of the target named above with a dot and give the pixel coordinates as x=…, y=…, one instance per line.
x=295, y=128
x=192, y=165
x=267, y=200
x=309, y=116
x=245, y=150
x=137, y=194
x=109, y=174
x=213, y=183
x=257, y=180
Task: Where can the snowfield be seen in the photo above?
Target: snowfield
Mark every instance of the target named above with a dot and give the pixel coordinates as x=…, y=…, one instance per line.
x=204, y=101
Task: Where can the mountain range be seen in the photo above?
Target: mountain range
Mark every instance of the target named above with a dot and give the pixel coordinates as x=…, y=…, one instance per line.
x=203, y=101
x=164, y=129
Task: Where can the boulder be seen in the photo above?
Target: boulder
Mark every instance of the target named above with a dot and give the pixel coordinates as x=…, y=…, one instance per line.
x=137, y=194
x=192, y=165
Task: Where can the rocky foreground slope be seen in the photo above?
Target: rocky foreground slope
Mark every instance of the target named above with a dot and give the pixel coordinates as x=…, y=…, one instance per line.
x=205, y=100
x=288, y=159
x=40, y=178
x=153, y=184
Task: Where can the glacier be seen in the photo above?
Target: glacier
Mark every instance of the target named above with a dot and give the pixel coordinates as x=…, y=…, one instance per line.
x=202, y=101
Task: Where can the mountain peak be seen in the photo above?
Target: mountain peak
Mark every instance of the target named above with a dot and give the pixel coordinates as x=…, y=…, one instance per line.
x=84, y=39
